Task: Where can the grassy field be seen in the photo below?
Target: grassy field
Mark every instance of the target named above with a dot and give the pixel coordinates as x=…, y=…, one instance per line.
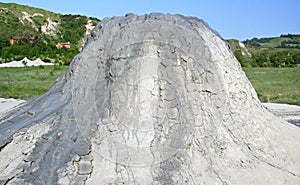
x=278, y=85
x=28, y=82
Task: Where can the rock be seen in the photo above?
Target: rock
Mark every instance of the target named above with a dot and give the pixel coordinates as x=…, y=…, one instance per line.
x=152, y=99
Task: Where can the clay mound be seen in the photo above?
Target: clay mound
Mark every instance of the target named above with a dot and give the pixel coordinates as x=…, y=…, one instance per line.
x=152, y=99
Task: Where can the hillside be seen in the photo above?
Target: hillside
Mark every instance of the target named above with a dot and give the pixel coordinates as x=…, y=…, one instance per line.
x=283, y=51
x=284, y=41
x=31, y=32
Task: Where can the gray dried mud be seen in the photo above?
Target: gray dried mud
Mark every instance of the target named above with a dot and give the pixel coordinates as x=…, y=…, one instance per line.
x=152, y=99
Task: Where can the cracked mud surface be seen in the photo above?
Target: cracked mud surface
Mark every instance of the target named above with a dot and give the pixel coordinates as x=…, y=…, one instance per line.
x=153, y=99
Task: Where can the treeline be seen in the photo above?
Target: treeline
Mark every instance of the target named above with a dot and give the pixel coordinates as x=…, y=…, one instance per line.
x=270, y=58
x=289, y=44
x=291, y=36
x=284, y=41
x=255, y=41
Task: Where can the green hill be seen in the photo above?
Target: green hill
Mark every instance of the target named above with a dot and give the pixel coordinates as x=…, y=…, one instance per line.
x=283, y=51
x=31, y=32
x=291, y=41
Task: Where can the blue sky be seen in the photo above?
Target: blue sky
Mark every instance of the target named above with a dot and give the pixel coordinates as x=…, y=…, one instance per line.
x=240, y=19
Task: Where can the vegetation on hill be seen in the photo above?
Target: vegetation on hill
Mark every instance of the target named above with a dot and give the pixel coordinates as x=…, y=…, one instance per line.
x=291, y=41
x=283, y=51
x=30, y=32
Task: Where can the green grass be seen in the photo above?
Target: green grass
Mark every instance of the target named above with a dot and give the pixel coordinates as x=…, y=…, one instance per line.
x=28, y=82
x=277, y=85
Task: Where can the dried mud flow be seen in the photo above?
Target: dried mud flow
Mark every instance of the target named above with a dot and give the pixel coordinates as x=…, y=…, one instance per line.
x=152, y=99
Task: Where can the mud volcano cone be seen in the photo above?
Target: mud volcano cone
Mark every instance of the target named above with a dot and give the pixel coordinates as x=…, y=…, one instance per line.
x=152, y=99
